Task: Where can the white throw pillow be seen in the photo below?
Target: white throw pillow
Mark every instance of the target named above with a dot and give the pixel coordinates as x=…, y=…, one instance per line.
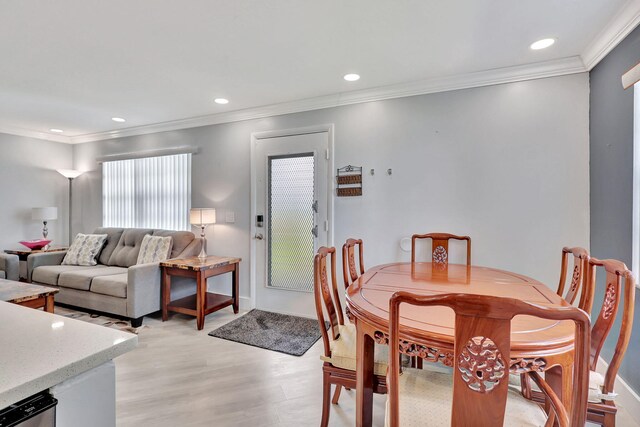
x=85, y=249
x=154, y=249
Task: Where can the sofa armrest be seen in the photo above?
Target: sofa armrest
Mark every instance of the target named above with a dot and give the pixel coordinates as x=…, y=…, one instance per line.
x=43, y=258
x=10, y=264
x=192, y=249
x=143, y=289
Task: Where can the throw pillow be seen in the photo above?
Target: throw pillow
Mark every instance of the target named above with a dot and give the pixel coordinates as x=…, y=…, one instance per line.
x=85, y=249
x=154, y=249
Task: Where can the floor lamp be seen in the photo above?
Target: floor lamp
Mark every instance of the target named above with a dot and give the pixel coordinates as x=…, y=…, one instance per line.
x=70, y=174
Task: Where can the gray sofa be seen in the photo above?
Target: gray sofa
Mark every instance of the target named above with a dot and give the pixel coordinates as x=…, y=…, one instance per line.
x=116, y=284
x=9, y=266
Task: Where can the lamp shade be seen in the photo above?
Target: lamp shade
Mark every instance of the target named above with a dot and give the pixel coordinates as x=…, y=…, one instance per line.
x=44, y=214
x=69, y=173
x=202, y=216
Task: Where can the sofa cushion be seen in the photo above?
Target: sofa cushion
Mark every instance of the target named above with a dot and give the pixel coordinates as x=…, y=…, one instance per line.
x=82, y=279
x=114, y=285
x=113, y=237
x=181, y=239
x=126, y=251
x=85, y=249
x=154, y=249
x=48, y=274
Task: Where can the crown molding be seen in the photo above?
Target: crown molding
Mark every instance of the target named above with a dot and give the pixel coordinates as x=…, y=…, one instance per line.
x=625, y=21
x=496, y=76
x=12, y=130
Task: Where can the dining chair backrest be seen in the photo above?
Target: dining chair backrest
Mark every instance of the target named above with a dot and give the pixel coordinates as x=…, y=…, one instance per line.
x=440, y=247
x=326, y=296
x=482, y=356
x=616, y=273
x=350, y=271
x=578, y=282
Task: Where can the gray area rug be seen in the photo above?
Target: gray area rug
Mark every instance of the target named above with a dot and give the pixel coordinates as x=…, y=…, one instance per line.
x=273, y=331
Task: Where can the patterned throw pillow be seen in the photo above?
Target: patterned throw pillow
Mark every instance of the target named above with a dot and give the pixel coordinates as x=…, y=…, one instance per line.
x=85, y=249
x=154, y=249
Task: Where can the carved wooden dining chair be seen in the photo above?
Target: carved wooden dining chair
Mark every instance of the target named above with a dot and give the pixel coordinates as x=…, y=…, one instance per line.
x=440, y=247
x=618, y=281
x=577, y=285
x=578, y=278
x=350, y=271
x=339, y=355
x=479, y=395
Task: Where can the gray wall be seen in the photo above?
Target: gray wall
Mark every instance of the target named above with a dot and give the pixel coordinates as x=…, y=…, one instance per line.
x=29, y=179
x=611, y=176
x=505, y=164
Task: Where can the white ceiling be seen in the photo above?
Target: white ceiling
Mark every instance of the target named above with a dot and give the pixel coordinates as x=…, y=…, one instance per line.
x=75, y=64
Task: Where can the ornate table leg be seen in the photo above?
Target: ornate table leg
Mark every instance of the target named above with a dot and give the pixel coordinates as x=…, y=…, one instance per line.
x=364, y=377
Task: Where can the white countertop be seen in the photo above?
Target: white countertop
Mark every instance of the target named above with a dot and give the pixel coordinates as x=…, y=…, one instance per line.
x=39, y=350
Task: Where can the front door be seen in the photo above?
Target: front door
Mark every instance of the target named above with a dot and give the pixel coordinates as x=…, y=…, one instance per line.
x=291, y=221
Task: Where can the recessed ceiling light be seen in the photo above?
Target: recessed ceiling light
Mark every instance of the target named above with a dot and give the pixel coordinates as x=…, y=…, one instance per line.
x=221, y=101
x=118, y=119
x=351, y=77
x=56, y=130
x=542, y=44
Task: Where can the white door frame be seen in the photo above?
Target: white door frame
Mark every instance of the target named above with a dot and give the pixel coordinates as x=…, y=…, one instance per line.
x=257, y=137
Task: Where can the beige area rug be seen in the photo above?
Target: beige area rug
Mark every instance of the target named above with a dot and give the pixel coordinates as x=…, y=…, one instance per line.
x=97, y=319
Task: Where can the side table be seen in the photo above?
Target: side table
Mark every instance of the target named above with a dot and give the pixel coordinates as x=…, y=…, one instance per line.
x=202, y=302
x=23, y=254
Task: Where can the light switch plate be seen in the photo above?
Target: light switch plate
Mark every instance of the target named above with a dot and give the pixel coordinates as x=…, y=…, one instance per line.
x=230, y=216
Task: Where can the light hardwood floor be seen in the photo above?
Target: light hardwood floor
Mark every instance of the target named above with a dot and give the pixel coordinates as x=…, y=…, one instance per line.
x=179, y=376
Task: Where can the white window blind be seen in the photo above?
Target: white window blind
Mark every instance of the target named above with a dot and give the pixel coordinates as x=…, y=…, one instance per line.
x=152, y=192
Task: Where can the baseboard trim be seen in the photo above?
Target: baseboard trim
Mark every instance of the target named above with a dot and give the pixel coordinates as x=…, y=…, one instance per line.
x=627, y=397
x=245, y=303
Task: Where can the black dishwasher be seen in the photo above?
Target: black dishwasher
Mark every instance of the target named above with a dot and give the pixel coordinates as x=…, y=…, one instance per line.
x=38, y=410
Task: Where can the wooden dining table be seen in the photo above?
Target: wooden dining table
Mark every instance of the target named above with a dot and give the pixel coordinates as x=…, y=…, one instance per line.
x=428, y=332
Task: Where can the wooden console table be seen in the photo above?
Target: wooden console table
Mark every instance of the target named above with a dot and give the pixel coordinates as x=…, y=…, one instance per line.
x=202, y=302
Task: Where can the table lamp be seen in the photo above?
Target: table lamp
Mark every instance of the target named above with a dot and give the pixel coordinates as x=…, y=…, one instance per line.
x=44, y=215
x=202, y=217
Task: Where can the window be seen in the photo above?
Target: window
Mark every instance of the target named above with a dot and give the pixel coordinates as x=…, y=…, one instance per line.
x=151, y=192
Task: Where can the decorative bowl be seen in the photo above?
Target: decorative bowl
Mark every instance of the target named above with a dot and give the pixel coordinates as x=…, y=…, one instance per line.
x=34, y=245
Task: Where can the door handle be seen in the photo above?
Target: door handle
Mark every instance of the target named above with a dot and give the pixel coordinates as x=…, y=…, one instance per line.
x=258, y=236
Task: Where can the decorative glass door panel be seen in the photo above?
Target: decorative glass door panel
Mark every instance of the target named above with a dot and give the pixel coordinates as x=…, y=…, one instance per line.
x=291, y=222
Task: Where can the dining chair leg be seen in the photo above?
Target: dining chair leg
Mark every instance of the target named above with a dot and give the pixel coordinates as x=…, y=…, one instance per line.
x=336, y=394
x=609, y=420
x=525, y=386
x=326, y=399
